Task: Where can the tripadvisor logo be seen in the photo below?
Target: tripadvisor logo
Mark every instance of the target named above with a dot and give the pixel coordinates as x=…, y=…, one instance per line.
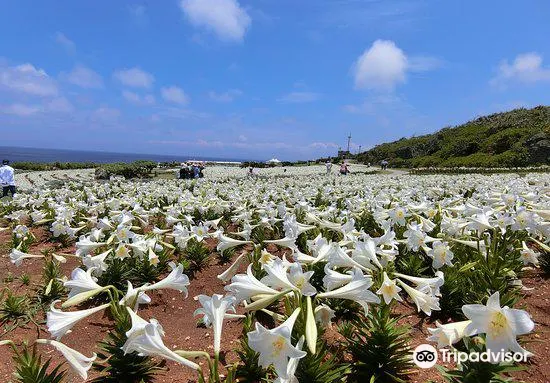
x=426, y=356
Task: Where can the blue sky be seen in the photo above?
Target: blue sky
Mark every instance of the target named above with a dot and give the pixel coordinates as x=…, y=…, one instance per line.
x=264, y=78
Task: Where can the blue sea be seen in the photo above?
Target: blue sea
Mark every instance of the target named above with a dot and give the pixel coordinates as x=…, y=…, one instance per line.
x=15, y=154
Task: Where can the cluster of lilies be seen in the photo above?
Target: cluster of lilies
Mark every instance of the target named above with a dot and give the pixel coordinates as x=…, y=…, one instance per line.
x=314, y=228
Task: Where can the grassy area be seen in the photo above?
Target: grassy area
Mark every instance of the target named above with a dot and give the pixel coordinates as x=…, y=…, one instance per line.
x=520, y=137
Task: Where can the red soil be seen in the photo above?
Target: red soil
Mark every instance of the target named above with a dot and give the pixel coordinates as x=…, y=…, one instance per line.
x=175, y=313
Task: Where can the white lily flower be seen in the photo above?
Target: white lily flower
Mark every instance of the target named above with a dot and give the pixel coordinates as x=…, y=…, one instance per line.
x=274, y=345
x=81, y=281
x=233, y=269
x=399, y=215
x=416, y=237
x=357, y=290
x=60, y=322
x=170, y=221
x=284, y=242
x=365, y=254
x=134, y=297
x=97, y=262
x=333, y=279
x=389, y=290
x=448, y=334
x=145, y=338
x=441, y=254
x=292, y=366
x=245, y=286
x=200, y=232
x=122, y=251
x=277, y=275
x=266, y=257
x=339, y=258
x=324, y=315
x=500, y=324
x=79, y=363
x=214, y=311
x=427, y=285
x=480, y=222
x=424, y=302
x=226, y=243
x=17, y=257
x=300, y=280
x=123, y=233
x=528, y=255
x=176, y=280
x=85, y=246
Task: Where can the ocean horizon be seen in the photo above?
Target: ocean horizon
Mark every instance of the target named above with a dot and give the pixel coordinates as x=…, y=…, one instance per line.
x=44, y=155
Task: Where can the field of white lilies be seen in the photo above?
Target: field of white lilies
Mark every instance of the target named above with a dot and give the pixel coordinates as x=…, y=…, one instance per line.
x=289, y=276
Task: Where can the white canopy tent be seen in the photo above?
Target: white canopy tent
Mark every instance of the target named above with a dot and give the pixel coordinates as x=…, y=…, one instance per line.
x=273, y=161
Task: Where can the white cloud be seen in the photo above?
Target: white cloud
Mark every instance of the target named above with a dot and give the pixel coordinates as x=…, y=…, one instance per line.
x=56, y=105
x=27, y=79
x=323, y=145
x=424, y=63
x=381, y=67
x=135, y=98
x=526, y=68
x=84, y=77
x=376, y=103
x=59, y=105
x=300, y=97
x=228, y=96
x=65, y=42
x=384, y=65
x=105, y=113
x=226, y=18
x=174, y=95
x=134, y=77
x=21, y=110
x=138, y=13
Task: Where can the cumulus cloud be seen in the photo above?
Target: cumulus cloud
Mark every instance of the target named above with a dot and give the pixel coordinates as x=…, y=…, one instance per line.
x=59, y=105
x=228, y=96
x=84, y=77
x=134, y=77
x=138, y=14
x=226, y=18
x=526, y=68
x=65, y=42
x=106, y=114
x=323, y=145
x=21, y=110
x=384, y=65
x=27, y=79
x=299, y=97
x=55, y=105
x=174, y=95
x=135, y=98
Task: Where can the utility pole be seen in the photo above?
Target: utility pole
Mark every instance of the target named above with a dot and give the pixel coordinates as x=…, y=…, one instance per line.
x=349, y=141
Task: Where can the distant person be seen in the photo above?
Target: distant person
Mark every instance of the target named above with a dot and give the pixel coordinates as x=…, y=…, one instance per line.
x=195, y=170
x=202, y=165
x=329, y=166
x=384, y=164
x=344, y=170
x=184, y=172
x=7, y=179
